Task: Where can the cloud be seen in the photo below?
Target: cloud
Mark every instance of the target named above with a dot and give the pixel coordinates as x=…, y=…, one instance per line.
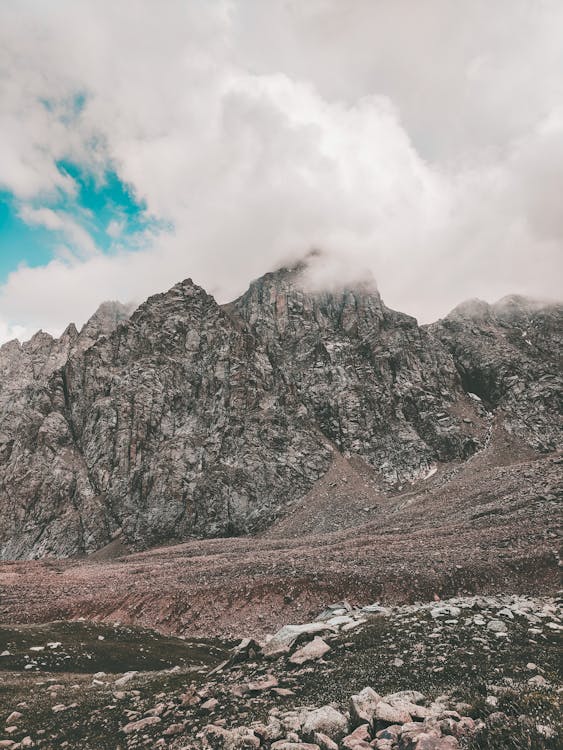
x=115, y=228
x=80, y=241
x=419, y=142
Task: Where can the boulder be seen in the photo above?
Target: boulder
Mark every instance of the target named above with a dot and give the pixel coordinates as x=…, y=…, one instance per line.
x=326, y=720
x=218, y=738
x=267, y=682
x=359, y=739
x=137, y=726
x=324, y=742
x=311, y=651
x=387, y=714
x=283, y=640
x=363, y=706
x=497, y=626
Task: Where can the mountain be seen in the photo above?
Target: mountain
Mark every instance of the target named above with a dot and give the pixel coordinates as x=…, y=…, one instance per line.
x=509, y=354
x=188, y=418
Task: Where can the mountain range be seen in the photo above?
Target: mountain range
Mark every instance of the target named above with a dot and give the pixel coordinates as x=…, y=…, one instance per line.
x=184, y=418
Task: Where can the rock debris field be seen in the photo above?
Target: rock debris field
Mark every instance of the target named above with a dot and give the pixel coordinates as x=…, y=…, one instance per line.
x=467, y=672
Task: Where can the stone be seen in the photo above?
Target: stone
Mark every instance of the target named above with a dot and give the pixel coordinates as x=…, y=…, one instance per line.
x=538, y=681
x=497, y=626
x=324, y=742
x=410, y=696
x=174, y=729
x=124, y=679
x=326, y=720
x=337, y=622
x=269, y=732
x=284, y=639
x=363, y=706
x=240, y=738
x=391, y=732
x=391, y=715
x=311, y=651
x=267, y=682
x=376, y=609
x=359, y=739
x=14, y=717
x=436, y=743
x=445, y=610
x=140, y=724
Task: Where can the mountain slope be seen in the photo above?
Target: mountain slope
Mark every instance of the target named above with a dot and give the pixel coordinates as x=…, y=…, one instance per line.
x=189, y=418
x=509, y=354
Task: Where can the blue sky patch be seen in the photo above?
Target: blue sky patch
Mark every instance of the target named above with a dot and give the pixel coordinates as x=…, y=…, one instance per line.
x=20, y=242
x=106, y=208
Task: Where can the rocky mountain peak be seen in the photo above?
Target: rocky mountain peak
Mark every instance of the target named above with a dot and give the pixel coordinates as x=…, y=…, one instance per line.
x=471, y=309
x=187, y=417
x=104, y=321
x=509, y=355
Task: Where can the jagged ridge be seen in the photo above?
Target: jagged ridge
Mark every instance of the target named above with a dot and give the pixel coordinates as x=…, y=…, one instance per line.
x=192, y=418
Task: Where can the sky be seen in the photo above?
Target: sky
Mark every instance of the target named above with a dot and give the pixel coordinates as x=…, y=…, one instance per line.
x=419, y=142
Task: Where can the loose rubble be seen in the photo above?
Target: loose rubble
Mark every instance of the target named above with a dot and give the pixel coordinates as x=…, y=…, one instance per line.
x=460, y=684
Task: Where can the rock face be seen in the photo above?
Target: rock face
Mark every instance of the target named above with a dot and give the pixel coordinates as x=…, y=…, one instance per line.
x=188, y=418
x=509, y=354
x=375, y=383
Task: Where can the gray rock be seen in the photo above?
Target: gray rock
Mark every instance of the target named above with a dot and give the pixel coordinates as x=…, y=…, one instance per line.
x=137, y=726
x=411, y=696
x=188, y=417
x=326, y=720
x=124, y=679
x=241, y=738
x=497, y=626
x=363, y=706
x=391, y=715
x=284, y=639
x=311, y=651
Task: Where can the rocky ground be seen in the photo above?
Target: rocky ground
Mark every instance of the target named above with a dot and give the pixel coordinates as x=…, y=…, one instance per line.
x=485, y=526
x=470, y=672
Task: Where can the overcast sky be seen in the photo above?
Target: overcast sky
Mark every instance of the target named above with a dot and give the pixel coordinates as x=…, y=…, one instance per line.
x=145, y=142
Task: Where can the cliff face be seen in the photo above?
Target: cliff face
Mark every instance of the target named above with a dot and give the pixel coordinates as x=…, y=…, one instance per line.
x=191, y=418
x=374, y=382
x=509, y=354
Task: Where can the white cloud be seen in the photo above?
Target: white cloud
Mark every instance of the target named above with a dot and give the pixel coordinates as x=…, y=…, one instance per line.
x=115, y=228
x=418, y=141
x=80, y=241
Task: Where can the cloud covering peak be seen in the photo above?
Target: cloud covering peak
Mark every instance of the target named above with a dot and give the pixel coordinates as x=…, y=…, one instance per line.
x=421, y=142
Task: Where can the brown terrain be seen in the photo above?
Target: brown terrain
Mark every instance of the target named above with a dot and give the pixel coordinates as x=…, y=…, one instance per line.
x=488, y=525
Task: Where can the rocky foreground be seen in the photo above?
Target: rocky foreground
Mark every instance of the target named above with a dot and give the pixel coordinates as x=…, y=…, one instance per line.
x=470, y=672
